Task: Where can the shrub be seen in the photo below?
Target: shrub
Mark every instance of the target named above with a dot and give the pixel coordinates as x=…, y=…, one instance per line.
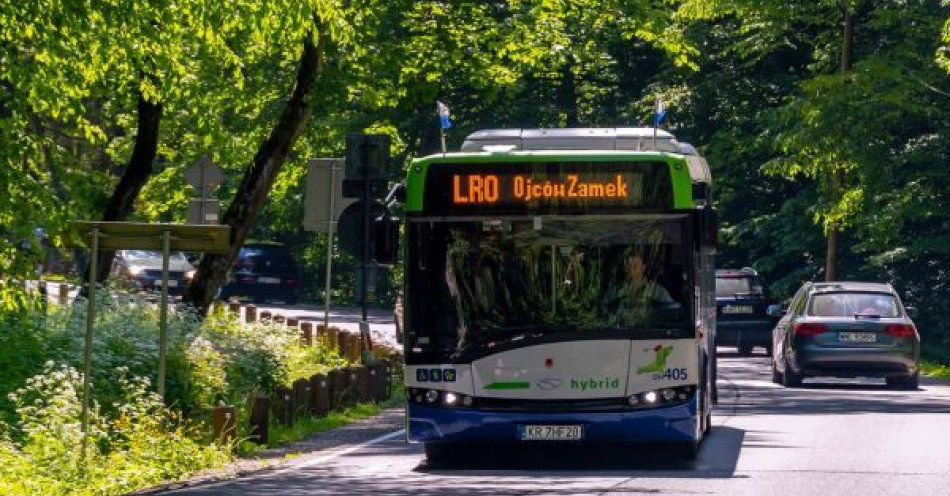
x=141, y=443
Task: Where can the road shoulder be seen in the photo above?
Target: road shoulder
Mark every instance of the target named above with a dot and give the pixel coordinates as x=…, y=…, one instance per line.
x=292, y=454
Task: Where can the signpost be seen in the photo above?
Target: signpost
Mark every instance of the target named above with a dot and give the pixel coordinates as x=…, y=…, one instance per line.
x=205, y=177
x=323, y=203
x=138, y=236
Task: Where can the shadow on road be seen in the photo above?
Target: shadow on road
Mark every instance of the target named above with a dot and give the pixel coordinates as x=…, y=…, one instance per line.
x=377, y=471
x=753, y=396
x=718, y=458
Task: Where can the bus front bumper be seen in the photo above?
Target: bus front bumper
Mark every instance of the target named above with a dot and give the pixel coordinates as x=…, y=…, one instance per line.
x=670, y=424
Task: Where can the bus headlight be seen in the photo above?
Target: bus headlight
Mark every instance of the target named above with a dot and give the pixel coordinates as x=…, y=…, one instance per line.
x=450, y=399
x=669, y=394
x=432, y=396
x=661, y=397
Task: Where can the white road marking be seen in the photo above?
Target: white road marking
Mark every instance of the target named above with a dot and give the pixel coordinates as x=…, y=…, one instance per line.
x=297, y=466
x=336, y=454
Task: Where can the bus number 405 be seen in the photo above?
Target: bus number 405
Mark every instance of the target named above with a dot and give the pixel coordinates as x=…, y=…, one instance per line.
x=671, y=374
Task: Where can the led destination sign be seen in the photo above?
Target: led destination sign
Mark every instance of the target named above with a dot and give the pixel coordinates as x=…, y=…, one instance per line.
x=557, y=187
x=486, y=188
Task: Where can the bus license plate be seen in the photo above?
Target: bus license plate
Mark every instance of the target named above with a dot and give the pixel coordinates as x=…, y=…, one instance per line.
x=857, y=337
x=737, y=309
x=552, y=433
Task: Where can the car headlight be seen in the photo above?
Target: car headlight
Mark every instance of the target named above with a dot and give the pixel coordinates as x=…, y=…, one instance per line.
x=134, y=271
x=190, y=274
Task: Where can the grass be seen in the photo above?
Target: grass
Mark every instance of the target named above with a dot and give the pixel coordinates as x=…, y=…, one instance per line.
x=307, y=426
x=935, y=369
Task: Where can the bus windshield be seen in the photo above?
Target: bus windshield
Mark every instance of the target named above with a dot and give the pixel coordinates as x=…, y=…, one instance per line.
x=475, y=284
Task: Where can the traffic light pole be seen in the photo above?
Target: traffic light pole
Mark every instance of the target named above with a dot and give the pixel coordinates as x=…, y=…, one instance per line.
x=365, y=348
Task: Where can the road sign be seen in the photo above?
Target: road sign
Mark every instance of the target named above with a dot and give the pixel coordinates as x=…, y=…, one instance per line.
x=142, y=236
x=367, y=164
x=204, y=176
x=323, y=199
x=203, y=211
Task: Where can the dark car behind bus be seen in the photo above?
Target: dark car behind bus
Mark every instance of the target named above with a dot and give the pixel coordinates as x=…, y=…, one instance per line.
x=742, y=318
x=264, y=272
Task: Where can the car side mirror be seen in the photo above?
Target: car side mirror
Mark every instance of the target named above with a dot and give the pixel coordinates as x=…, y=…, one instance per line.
x=912, y=312
x=775, y=310
x=386, y=239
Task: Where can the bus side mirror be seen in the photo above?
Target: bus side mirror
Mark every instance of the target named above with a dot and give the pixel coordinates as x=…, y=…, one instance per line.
x=708, y=227
x=386, y=239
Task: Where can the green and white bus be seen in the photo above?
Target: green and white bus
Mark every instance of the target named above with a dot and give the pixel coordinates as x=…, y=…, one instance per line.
x=559, y=288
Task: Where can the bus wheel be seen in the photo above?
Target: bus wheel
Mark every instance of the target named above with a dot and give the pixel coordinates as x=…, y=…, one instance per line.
x=688, y=451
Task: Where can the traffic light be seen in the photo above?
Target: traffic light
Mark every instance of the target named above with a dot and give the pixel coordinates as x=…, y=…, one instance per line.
x=367, y=162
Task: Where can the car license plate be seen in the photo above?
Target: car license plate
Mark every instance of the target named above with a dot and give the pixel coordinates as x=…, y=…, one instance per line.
x=268, y=280
x=737, y=309
x=552, y=433
x=857, y=337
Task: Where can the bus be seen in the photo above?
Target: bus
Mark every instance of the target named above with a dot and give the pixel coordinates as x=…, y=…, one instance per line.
x=559, y=288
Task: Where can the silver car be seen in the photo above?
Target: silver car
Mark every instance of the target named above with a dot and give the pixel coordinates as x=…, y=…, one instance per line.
x=145, y=269
x=846, y=329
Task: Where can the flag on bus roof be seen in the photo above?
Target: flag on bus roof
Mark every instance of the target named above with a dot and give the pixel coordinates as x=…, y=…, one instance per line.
x=443, y=111
x=659, y=113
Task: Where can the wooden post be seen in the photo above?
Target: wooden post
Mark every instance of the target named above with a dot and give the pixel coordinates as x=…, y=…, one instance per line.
x=363, y=385
x=352, y=386
x=353, y=352
x=335, y=390
x=224, y=423
x=260, y=418
x=301, y=391
x=63, y=294
x=292, y=322
x=321, y=337
x=376, y=381
x=250, y=314
x=333, y=338
x=306, y=334
x=343, y=345
x=265, y=316
x=284, y=405
x=387, y=381
x=320, y=394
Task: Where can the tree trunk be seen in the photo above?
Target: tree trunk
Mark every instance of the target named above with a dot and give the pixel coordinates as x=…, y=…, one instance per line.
x=256, y=183
x=568, y=92
x=136, y=174
x=847, y=50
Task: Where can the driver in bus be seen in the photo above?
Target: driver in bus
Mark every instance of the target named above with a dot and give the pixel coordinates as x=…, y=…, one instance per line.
x=638, y=293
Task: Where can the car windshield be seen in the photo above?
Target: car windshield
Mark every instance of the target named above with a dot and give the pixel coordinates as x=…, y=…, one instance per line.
x=853, y=305
x=479, y=283
x=734, y=285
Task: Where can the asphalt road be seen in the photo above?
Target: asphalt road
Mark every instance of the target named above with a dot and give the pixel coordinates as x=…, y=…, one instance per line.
x=847, y=437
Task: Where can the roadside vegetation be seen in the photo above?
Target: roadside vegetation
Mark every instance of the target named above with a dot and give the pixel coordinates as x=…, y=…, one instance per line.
x=136, y=439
